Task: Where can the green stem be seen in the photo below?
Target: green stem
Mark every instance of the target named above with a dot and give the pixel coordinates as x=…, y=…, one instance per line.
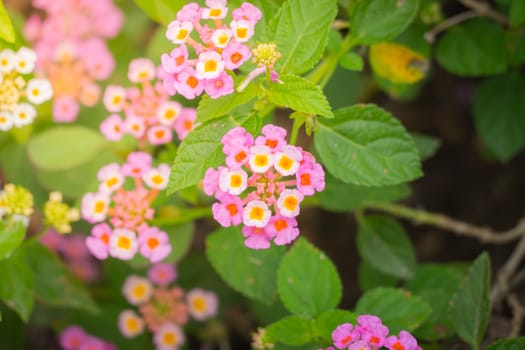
x=297, y=122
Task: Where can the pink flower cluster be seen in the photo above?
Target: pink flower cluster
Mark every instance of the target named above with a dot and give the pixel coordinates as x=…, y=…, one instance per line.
x=70, y=42
x=221, y=50
x=261, y=174
x=73, y=250
x=149, y=115
x=76, y=338
x=127, y=210
x=163, y=310
x=371, y=334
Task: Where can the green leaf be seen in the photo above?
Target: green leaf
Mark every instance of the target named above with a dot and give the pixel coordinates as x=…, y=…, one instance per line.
x=12, y=234
x=324, y=324
x=64, y=147
x=180, y=239
x=300, y=95
x=16, y=289
x=517, y=13
x=161, y=11
x=474, y=48
x=365, y=145
x=426, y=145
x=398, y=310
x=508, y=344
x=291, y=330
x=251, y=272
x=339, y=196
x=352, y=61
x=470, y=306
x=300, y=30
x=54, y=284
x=308, y=282
x=202, y=149
x=383, y=243
x=370, y=277
x=7, y=31
x=515, y=44
x=210, y=108
x=499, y=108
x=436, y=284
x=373, y=21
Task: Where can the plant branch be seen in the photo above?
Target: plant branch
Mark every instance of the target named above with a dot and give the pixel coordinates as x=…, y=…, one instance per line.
x=431, y=35
x=484, y=234
x=502, y=284
x=484, y=9
x=517, y=315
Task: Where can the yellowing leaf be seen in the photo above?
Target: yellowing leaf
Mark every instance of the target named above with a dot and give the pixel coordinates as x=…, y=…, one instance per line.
x=397, y=63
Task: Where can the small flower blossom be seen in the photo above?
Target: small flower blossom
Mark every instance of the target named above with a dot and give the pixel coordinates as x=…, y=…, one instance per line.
x=39, y=91
x=114, y=98
x=259, y=185
x=166, y=306
x=98, y=242
x=162, y=274
x=112, y=128
x=405, y=341
x=65, y=109
x=76, y=338
x=16, y=202
x=154, y=244
x=202, y=304
x=130, y=324
x=137, y=290
x=123, y=244
x=344, y=335
x=168, y=337
x=58, y=214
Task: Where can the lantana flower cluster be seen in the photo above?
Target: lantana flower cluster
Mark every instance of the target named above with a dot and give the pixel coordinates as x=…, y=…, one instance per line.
x=371, y=334
x=18, y=93
x=72, y=53
x=73, y=251
x=59, y=214
x=16, y=203
x=149, y=115
x=220, y=48
x=125, y=197
x=262, y=185
x=163, y=309
x=76, y=338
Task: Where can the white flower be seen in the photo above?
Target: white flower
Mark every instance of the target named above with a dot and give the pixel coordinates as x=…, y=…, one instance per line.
x=7, y=60
x=209, y=66
x=6, y=121
x=23, y=114
x=39, y=91
x=25, y=60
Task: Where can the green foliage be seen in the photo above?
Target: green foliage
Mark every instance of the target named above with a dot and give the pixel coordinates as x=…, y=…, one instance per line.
x=300, y=30
x=7, y=32
x=16, y=289
x=308, y=282
x=365, y=145
x=498, y=114
x=212, y=108
x=251, y=272
x=291, y=330
x=324, y=324
x=508, y=344
x=474, y=48
x=397, y=309
x=373, y=21
x=426, y=145
x=12, y=234
x=370, y=277
x=352, y=61
x=517, y=13
x=202, y=149
x=470, y=305
x=64, y=147
x=180, y=239
x=161, y=11
x=300, y=95
x=383, y=244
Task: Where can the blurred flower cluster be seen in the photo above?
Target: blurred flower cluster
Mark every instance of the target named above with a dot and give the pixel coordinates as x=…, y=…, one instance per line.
x=70, y=41
x=16, y=203
x=76, y=338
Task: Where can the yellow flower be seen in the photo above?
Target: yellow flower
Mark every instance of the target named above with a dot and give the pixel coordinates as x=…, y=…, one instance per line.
x=59, y=214
x=16, y=200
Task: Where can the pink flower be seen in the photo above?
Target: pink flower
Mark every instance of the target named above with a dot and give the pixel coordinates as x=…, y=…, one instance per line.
x=159, y=135
x=52, y=239
x=405, y=342
x=130, y=324
x=154, y=244
x=372, y=330
x=141, y=70
x=162, y=274
x=137, y=164
x=110, y=177
x=242, y=30
x=235, y=54
x=190, y=12
x=209, y=66
x=92, y=343
x=74, y=247
x=283, y=229
x=168, y=337
x=229, y=211
x=211, y=181
x=274, y=137
x=202, y=304
x=94, y=207
x=256, y=213
x=65, y=109
x=176, y=61
x=235, y=141
x=72, y=337
x=135, y=126
x=98, y=242
x=220, y=86
x=112, y=128
x=247, y=12
x=114, y=98
x=344, y=335
x=216, y=9
x=360, y=345
x=310, y=178
x=123, y=244
x=188, y=85
x=157, y=177
x=179, y=31
x=257, y=238
x=185, y=122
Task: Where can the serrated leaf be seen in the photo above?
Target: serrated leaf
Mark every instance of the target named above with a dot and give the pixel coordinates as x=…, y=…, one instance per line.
x=370, y=277
x=308, y=282
x=374, y=21
x=161, y=11
x=426, y=145
x=508, y=344
x=12, y=234
x=365, y=145
x=291, y=330
x=324, y=324
x=397, y=309
x=470, y=307
x=7, y=32
x=340, y=196
x=436, y=285
x=54, y=284
x=499, y=107
x=202, y=149
x=383, y=243
x=16, y=289
x=300, y=30
x=64, y=147
x=517, y=13
x=210, y=108
x=474, y=48
x=300, y=95
x=251, y=272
